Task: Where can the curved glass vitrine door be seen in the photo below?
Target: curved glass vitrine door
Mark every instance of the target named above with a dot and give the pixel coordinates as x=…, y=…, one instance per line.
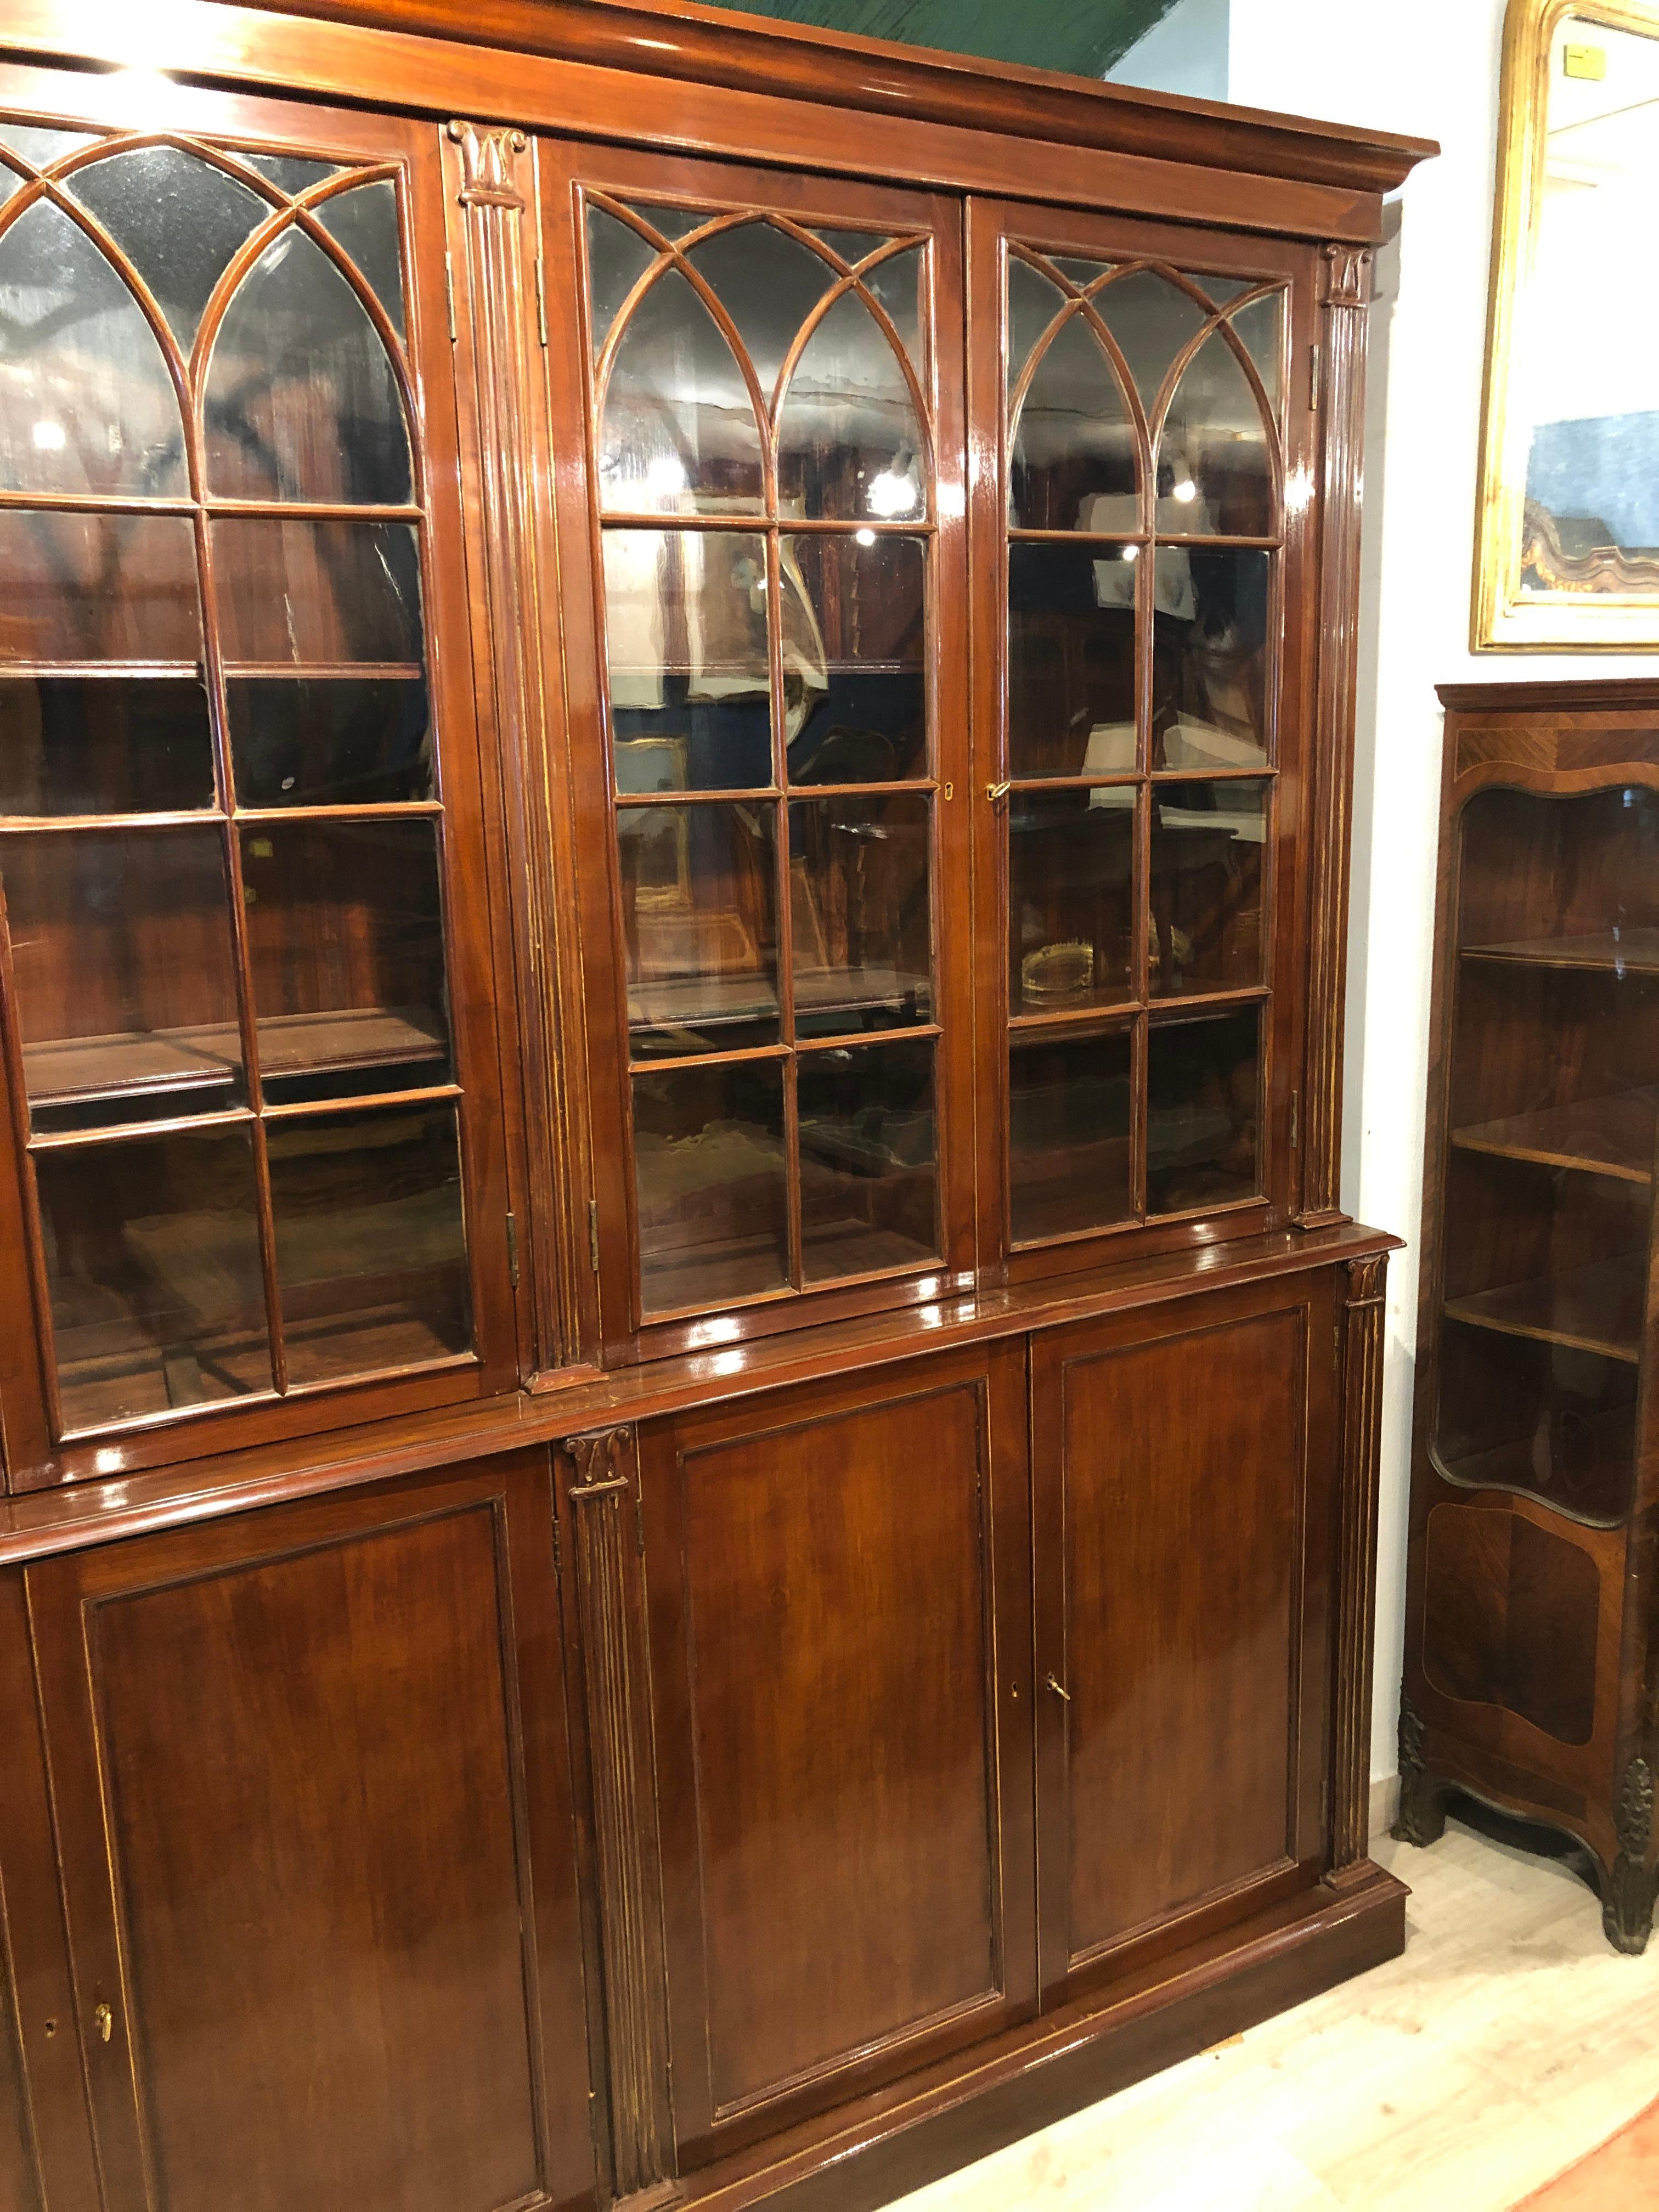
x=1554, y=1096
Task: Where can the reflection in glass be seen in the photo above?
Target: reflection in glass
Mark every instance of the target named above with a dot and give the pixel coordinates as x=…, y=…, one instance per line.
x=699, y=927
x=330, y=741
x=98, y=587
x=899, y=283
x=618, y=256
x=40, y=144
x=1071, y=898
x=1210, y=667
x=122, y=969
x=860, y=907
x=371, y=1250
x=113, y=744
x=1072, y=659
x=678, y=432
x=86, y=402
x=1203, y=1112
x=318, y=593
x=364, y=222
x=868, y=1159
x=769, y=283
x=852, y=245
x=345, y=939
x=301, y=400
x=1262, y=326
x=854, y=645
x=179, y=220
x=1208, y=848
x=1153, y=321
x=849, y=446
x=686, y=649
x=152, y=1256
x=1069, y=1110
x=1034, y=301
x=291, y=172
x=1075, y=464
x=712, y=1184
x=1214, y=469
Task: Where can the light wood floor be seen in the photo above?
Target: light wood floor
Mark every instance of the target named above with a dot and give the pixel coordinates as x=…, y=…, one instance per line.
x=1507, y=2042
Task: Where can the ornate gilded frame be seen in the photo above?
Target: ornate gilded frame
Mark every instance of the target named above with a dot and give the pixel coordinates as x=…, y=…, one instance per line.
x=1617, y=609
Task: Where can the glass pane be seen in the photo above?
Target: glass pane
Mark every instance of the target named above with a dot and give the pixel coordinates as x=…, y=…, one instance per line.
x=330, y=741
x=1206, y=869
x=1082, y=273
x=769, y=283
x=673, y=222
x=152, y=1251
x=1210, y=666
x=301, y=400
x=1203, y=1112
x=1219, y=288
x=371, y=1247
x=678, y=433
x=122, y=965
x=1072, y=659
x=1034, y=301
x=699, y=924
x=1071, y=898
x=1214, y=470
x=112, y=744
x=345, y=937
x=854, y=646
x=364, y=221
x=98, y=587
x=852, y=245
x=39, y=145
x=318, y=593
x=899, y=283
x=850, y=446
x=1069, y=1110
x=869, y=1179
x=618, y=256
x=86, y=402
x=712, y=1186
x=291, y=172
x=690, y=677
x=178, y=219
x=1152, y=320
x=859, y=894
x=1075, y=462
x=1262, y=326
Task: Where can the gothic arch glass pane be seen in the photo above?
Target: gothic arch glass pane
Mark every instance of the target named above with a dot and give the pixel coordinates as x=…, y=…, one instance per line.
x=679, y=433
x=86, y=403
x=363, y=223
x=291, y=172
x=852, y=245
x=896, y=283
x=1083, y=273
x=1034, y=301
x=1214, y=470
x=1262, y=326
x=1075, y=462
x=39, y=145
x=769, y=283
x=177, y=218
x=301, y=400
x=1152, y=320
x=849, y=446
x=618, y=256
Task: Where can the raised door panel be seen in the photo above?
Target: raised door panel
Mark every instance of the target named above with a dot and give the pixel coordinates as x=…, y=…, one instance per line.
x=1182, y=1500
x=839, y=1611
x=326, y=1748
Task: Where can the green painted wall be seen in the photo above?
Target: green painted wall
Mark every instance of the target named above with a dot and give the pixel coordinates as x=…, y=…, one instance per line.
x=1085, y=36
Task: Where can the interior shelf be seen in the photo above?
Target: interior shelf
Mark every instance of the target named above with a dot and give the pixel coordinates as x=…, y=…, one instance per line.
x=1593, y=1482
x=710, y=1002
x=1598, y=1308
x=1604, y=1136
x=1630, y=949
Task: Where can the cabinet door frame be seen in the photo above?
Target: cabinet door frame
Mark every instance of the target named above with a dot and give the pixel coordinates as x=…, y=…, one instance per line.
x=997, y=1376
x=64, y=1596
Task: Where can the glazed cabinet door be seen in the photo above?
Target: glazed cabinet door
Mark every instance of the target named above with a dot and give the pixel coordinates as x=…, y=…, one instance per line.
x=1183, y=1463
x=757, y=393
x=311, y=1781
x=245, y=976
x=839, y=1609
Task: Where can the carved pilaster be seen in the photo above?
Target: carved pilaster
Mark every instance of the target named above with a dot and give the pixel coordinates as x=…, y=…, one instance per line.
x=1356, y=1565
x=1422, y=1816
x=604, y=1510
x=1627, y=1907
x=1344, y=292
x=498, y=335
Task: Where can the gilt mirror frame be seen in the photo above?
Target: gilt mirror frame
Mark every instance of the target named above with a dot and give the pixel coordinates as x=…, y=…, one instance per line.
x=1600, y=598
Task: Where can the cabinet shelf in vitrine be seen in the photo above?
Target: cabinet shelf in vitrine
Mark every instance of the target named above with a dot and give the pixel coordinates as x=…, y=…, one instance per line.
x=1596, y=1308
x=1616, y=951
x=1595, y=1136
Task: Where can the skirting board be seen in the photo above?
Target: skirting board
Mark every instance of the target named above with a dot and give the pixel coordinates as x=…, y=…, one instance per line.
x=1385, y=1804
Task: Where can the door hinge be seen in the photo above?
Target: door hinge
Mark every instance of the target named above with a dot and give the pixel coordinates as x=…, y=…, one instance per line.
x=541, y=297
x=1315, y=367
x=1296, y=1118
x=512, y=1249
x=593, y=1233
x=449, y=295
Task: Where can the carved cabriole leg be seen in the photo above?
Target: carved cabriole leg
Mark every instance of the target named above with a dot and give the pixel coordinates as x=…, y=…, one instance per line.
x=1362, y=1416
x=1345, y=295
x=1422, y=1816
x=499, y=334
x=1627, y=1905
x=603, y=1515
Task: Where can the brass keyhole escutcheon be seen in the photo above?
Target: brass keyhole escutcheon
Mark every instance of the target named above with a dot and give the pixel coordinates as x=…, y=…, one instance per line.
x=105, y=2019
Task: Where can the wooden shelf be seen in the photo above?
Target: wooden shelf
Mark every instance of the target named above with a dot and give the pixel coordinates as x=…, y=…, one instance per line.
x=1602, y=1136
x=1631, y=951
x=713, y=1002
x=1598, y=1308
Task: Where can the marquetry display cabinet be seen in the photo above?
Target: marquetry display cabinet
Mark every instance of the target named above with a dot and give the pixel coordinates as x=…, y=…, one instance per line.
x=689, y=1424
x=1530, y=1674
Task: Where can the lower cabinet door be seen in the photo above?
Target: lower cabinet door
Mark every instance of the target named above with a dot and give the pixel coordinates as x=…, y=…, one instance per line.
x=1183, y=1464
x=305, y=1762
x=839, y=1602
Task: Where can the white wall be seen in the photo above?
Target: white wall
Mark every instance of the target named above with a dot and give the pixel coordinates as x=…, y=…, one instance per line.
x=1186, y=53
x=1429, y=68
